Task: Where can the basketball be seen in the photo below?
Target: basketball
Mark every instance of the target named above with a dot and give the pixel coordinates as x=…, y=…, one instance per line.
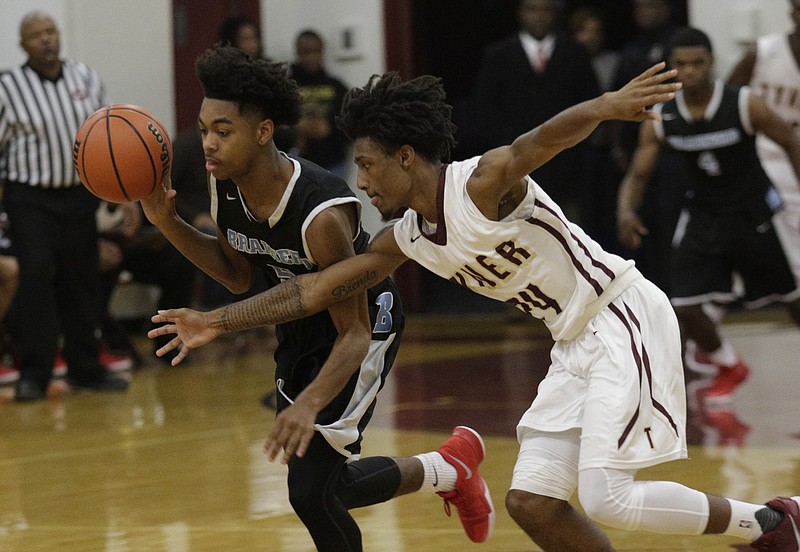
x=122, y=152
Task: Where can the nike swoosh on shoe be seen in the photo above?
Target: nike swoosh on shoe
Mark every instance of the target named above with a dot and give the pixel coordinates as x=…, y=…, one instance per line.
x=463, y=465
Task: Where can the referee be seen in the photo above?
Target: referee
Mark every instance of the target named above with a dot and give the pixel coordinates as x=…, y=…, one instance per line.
x=51, y=215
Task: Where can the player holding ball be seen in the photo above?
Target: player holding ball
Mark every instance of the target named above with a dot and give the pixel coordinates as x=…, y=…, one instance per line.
x=289, y=217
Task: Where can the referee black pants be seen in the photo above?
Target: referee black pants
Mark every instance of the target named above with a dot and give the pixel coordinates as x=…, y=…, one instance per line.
x=54, y=235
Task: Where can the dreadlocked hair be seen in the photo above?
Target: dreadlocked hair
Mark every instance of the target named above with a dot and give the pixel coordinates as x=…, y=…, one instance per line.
x=393, y=113
x=229, y=74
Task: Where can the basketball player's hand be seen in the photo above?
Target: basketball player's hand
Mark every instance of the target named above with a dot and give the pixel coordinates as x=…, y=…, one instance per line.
x=630, y=229
x=160, y=205
x=630, y=102
x=292, y=432
x=192, y=329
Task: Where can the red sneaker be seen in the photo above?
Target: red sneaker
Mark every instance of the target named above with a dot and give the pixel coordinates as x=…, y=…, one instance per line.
x=59, y=366
x=731, y=430
x=464, y=450
x=111, y=362
x=726, y=382
x=697, y=360
x=8, y=374
x=785, y=537
x=114, y=363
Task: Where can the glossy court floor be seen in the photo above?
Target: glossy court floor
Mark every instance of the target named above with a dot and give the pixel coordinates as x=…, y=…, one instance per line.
x=175, y=464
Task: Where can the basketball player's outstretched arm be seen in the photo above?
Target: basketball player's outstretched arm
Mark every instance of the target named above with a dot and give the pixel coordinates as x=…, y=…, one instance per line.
x=501, y=168
x=295, y=298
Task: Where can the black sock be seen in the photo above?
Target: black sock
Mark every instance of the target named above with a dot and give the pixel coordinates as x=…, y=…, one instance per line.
x=769, y=518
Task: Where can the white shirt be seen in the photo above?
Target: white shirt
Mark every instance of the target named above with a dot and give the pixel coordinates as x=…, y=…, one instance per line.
x=535, y=49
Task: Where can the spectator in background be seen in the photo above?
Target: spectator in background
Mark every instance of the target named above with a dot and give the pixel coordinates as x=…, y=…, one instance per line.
x=587, y=26
x=527, y=78
x=9, y=279
x=139, y=249
x=51, y=215
x=189, y=179
x=318, y=138
x=242, y=32
x=653, y=19
x=654, y=26
x=662, y=204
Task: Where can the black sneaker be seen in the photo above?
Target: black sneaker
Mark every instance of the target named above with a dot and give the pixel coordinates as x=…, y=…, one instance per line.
x=28, y=391
x=105, y=382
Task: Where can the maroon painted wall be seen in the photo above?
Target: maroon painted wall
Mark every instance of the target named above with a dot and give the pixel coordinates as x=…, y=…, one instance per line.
x=195, y=28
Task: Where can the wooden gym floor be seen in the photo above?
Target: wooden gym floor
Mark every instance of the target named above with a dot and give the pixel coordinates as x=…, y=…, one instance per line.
x=175, y=464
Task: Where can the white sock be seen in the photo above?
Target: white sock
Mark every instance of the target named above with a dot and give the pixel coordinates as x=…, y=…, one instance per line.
x=743, y=522
x=714, y=311
x=726, y=355
x=440, y=477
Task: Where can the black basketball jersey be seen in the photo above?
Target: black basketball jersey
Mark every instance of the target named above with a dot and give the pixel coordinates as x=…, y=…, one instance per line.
x=278, y=247
x=720, y=150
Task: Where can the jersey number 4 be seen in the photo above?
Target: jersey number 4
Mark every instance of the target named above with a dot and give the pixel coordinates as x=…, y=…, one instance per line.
x=709, y=163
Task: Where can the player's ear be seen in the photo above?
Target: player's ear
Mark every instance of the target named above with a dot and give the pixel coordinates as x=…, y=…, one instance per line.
x=406, y=155
x=266, y=130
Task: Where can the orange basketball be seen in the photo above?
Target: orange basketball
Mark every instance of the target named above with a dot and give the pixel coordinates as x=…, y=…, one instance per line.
x=121, y=153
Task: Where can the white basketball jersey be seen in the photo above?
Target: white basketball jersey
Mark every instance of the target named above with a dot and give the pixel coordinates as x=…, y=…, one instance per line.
x=534, y=258
x=776, y=78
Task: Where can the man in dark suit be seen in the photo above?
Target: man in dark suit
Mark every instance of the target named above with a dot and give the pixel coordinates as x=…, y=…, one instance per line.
x=527, y=78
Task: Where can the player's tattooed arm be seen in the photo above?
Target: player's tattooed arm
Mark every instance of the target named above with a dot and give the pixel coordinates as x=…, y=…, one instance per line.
x=275, y=306
x=295, y=298
x=359, y=283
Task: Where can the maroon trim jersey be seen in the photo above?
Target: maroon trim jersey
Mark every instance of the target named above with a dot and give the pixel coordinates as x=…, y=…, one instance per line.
x=534, y=259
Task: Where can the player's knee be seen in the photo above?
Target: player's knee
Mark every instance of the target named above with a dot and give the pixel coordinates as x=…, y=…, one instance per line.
x=530, y=510
x=599, y=509
x=306, y=500
x=608, y=497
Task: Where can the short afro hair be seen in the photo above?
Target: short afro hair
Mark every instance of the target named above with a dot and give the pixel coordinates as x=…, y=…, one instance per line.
x=393, y=113
x=688, y=37
x=227, y=73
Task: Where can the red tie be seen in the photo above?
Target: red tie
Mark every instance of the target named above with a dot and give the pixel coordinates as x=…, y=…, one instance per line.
x=540, y=62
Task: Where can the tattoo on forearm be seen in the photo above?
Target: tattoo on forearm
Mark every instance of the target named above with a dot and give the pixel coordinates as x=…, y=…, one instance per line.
x=358, y=283
x=280, y=304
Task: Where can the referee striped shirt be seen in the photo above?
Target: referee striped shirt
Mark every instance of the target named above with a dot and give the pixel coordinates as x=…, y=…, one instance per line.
x=39, y=118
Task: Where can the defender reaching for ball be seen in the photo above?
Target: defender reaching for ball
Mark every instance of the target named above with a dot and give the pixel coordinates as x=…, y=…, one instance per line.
x=614, y=399
x=289, y=217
